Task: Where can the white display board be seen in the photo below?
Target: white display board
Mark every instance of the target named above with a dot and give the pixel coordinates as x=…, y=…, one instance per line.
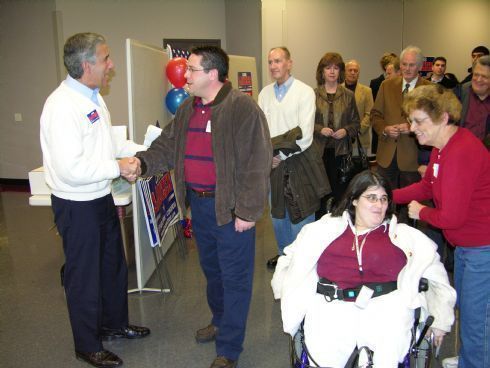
x=147, y=88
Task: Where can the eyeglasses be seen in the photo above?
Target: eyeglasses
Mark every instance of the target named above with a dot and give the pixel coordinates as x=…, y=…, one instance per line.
x=373, y=198
x=416, y=121
x=483, y=77
x=192, y=69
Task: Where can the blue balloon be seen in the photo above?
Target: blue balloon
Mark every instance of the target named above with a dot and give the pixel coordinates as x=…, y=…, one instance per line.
x=174, y=98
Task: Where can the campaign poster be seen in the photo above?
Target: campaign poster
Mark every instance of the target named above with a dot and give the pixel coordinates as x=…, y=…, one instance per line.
x=160, y=205
x=164, y=203
x=245, y=82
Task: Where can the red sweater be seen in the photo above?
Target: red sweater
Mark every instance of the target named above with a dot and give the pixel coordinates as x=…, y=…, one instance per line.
x=458, y=181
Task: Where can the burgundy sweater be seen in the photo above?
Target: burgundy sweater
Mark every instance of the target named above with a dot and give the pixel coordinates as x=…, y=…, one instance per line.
x=382, y=261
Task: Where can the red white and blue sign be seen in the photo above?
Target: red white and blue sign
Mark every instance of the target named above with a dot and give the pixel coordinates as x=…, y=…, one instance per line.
x=93, y=116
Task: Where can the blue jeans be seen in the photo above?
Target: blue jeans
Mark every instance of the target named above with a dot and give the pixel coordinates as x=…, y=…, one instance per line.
x=286, y=232
x=472, y=280
x=227, y=260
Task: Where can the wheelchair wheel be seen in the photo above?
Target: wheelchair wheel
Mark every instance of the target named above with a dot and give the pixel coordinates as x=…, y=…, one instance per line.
x=360, y=358
x=421, y=357
x=296, y=349
x=292, y=352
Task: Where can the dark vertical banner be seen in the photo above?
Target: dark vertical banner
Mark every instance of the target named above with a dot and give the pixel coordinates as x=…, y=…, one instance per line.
x=245, y=82
x=427, y=65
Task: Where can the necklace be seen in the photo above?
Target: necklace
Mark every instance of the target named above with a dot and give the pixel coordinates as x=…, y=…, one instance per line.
x=355, y=245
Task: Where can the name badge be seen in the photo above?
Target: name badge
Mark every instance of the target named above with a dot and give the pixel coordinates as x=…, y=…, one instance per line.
x=435, y=169
x=364, y=296
x=93, y=116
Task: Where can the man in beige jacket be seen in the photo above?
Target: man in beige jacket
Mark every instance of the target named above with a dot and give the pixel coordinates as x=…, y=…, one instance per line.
x=364, y=101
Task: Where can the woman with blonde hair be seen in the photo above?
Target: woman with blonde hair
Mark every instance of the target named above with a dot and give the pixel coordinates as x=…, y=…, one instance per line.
x=457, y=179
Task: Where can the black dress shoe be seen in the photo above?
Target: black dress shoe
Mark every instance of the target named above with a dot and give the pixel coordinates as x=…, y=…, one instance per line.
x=128, y=332
x=100, y=359
x=271, y=263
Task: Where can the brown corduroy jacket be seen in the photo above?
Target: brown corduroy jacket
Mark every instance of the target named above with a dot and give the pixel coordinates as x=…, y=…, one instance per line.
x=242, y=154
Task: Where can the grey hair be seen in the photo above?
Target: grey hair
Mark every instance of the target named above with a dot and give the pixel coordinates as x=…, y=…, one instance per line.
x=79, y=48
x=418, y=54
x=483, y=61
x=354, y=61
x=284, y=49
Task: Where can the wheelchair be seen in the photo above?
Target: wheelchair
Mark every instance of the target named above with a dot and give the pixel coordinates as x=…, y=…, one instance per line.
x=418, y=356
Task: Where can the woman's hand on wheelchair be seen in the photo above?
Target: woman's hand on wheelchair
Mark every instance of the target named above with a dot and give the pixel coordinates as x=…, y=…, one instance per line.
x=438, y=336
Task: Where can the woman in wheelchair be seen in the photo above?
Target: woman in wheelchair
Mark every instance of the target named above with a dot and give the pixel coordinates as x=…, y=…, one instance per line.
x=353, y=277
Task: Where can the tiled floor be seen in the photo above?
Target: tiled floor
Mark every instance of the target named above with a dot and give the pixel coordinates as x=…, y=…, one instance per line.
x=34, y=327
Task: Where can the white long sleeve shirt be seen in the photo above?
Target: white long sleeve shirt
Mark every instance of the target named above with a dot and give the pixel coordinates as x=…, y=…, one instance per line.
x=297, y=108
x=79, y=152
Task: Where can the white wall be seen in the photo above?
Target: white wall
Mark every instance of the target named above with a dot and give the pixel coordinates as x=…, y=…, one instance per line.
x=451, y=28
x=148, y=21
x=29, y=45
x=365, y=29
x=27, y=75
x=31, y=38
x=244, y=31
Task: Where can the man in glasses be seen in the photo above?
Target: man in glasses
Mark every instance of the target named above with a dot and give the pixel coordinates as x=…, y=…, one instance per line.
x=477, y=52
x=219, y=146
x=475, y=98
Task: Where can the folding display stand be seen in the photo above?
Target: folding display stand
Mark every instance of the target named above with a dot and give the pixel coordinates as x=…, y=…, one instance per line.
x=158, y=256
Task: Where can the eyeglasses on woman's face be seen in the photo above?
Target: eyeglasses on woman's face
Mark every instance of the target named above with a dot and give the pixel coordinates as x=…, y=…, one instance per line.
x=416, y=121
x=373, y=198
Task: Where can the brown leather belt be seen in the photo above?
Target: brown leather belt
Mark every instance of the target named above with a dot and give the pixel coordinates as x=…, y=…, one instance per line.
x=203, y=194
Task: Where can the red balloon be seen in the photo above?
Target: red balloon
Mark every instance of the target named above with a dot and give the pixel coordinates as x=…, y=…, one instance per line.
x=175, y=71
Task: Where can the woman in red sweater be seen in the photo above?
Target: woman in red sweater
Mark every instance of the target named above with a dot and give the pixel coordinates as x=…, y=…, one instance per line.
x=458, y=181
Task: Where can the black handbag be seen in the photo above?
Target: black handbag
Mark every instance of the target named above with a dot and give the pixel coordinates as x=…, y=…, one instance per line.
x=351, y=165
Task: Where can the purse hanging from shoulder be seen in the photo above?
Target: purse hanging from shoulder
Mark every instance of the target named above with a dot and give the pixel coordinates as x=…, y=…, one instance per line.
x=351, y=165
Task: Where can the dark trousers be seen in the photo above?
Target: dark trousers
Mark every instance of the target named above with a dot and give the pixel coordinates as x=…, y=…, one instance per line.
x=399, y=179
x=96, y=276
x=227, y=260
x=331, y=163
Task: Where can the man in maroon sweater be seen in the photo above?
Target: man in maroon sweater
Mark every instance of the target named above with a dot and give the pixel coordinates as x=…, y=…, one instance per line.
x=220, y=149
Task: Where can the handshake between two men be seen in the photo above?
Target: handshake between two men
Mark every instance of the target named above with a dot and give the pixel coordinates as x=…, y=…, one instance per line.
x=130, y=168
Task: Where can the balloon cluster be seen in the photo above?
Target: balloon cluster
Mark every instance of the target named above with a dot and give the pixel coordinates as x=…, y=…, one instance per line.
x=175, y=71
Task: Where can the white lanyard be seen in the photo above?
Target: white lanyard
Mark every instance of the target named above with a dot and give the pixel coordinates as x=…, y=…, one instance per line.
x=355, y=244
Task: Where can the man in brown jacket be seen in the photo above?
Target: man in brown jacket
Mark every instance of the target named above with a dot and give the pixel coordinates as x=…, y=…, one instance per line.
x=397, y=148
x=220, y=149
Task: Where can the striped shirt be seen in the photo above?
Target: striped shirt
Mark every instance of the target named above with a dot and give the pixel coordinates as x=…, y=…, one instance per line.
x=200, y=172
